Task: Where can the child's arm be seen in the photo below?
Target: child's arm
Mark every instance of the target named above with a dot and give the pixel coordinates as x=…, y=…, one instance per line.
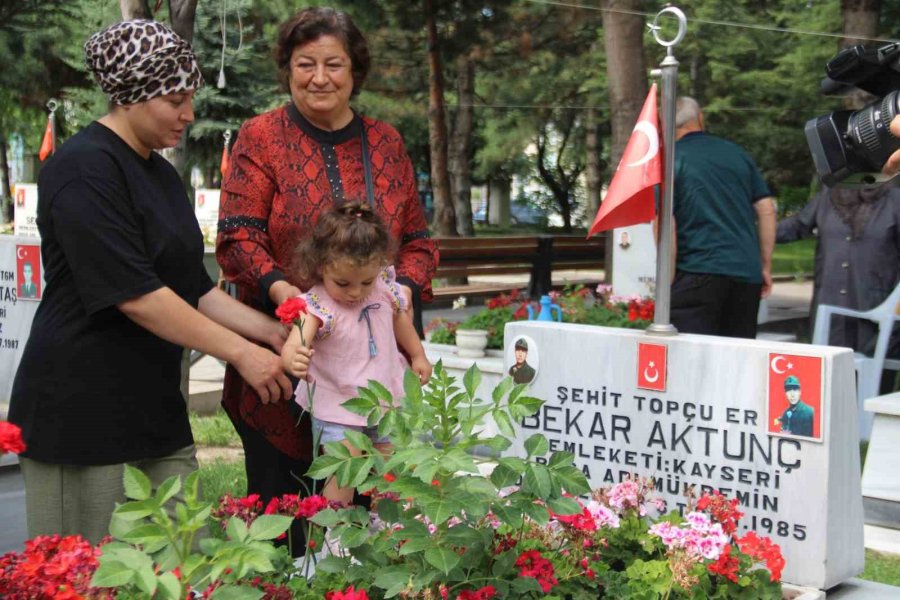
x=295, y=355
x=408, y=339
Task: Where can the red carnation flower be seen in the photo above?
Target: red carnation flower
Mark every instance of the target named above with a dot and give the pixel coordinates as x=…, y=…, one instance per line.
x=10, y=438
x=291, y=309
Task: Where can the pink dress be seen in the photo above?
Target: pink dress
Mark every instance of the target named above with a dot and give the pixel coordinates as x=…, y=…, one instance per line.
x=354, y=344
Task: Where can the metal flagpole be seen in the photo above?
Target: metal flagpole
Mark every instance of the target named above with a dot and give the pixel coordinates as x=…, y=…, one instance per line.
x=669, y=73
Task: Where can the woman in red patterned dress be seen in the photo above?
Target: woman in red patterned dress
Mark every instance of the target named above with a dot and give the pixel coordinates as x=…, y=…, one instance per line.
x=288, y=166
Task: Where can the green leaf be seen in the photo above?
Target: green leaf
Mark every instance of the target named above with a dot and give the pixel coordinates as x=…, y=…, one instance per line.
x=501, y=390
x=269, y=527
x=537, y=445
x=359, y=440
x=497, y=442
x=503, y=476
x=359, y=406
x=237, y=592
x=324, y=466
x=441, y=509
x=169, y=586
x=557, y=459
x=572, y=480
x=515, y=463
x=390, y=577
x=131, y=511
x=353, y=537
x=192, y=487
x=526, y=585
x=236, y=529
x=507, y=514
x=564, y=506
x=537, y=480
x=353, y=472
x=326, y=518
x=388, y=510
x=504, y=423
x=416, y=545
x=443, y=559
x=382, y=392
x=412, y=387
x=456, y=460
x=525, y=406
x=471, y=380
x=143, y=535
x=169, y=488
x=111, y=573
x=137, y=485
x=333, y=564
x=425, y=470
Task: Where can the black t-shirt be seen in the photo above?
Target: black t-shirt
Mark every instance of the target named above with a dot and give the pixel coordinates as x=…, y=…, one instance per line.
x=93, y=387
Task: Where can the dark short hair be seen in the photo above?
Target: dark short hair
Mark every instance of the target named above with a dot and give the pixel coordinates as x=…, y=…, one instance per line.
x=312, y=23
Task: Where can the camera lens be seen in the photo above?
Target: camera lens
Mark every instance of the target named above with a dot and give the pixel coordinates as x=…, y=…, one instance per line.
x=869, y=133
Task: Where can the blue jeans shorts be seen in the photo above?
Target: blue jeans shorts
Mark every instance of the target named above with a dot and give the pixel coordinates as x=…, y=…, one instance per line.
x=334, y=432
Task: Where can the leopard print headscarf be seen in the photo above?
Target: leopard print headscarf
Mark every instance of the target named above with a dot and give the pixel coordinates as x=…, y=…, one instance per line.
x=134, y=61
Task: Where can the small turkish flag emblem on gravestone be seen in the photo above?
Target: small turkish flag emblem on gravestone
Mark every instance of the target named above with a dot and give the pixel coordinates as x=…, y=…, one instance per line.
x=652, y=368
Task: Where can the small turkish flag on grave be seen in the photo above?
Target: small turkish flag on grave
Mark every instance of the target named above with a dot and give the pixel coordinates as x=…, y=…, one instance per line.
x=652, y=367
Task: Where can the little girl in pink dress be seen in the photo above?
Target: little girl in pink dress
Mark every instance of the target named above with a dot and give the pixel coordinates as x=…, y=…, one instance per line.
x=357, y=316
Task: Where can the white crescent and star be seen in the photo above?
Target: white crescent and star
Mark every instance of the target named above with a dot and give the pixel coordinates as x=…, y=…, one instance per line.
x=655, y=377
x=19, y=251
x=775, y=362
x=648, y=129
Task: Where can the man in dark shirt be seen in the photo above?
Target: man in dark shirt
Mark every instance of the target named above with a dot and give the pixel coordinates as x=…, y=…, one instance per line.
x=724, y=231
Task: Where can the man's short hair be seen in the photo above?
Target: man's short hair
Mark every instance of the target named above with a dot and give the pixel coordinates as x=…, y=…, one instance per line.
x=521, y=344
x=687, y=110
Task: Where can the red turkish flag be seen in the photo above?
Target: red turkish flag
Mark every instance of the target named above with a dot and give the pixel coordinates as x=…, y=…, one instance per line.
x=630, y=197
x=47, y=143
x=805, y=374
x=226, y=162
x=652, y=367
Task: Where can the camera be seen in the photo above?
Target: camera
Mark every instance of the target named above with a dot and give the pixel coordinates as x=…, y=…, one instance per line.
x=850, y=147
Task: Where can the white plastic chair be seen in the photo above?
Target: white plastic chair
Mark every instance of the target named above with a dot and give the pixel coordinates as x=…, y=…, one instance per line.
x=868, y=368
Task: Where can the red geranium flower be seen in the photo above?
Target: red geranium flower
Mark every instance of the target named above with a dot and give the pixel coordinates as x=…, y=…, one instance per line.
x=290, y=310
x=726, y=565
x=485, y=593
x=349, y=594
x=10, y=438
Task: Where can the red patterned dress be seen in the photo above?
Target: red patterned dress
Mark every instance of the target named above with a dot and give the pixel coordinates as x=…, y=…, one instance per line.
x=284, y=173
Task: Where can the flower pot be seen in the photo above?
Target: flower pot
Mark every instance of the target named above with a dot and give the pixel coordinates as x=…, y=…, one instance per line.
x=471, y=343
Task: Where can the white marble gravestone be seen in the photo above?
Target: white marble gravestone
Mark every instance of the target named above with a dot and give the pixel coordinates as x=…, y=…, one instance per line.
x=634, y=260
x=706, y=418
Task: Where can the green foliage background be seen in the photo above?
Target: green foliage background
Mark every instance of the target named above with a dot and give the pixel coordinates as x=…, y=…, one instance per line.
x=754, y=66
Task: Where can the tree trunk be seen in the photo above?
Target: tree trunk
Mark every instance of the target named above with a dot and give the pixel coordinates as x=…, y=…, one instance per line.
x=461, y=147
x=444, y=216
x=135, y=9
x=6, y=204
x=623, y=36
x=860, y=18
x=182, y=14
x=592, y=163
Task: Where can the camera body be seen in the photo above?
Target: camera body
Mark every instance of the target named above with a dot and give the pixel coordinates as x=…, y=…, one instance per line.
x=849, y=147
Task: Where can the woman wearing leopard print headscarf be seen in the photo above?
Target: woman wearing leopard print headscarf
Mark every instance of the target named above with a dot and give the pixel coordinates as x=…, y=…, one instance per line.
x=126, y=290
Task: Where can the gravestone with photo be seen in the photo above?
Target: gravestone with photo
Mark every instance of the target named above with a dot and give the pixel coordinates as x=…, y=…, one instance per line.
x=771, y=424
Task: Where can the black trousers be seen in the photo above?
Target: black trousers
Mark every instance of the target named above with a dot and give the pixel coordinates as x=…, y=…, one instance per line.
x=271, y=474
x=714, y=305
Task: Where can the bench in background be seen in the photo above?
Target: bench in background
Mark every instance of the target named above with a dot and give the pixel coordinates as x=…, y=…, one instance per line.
x=537, y=255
